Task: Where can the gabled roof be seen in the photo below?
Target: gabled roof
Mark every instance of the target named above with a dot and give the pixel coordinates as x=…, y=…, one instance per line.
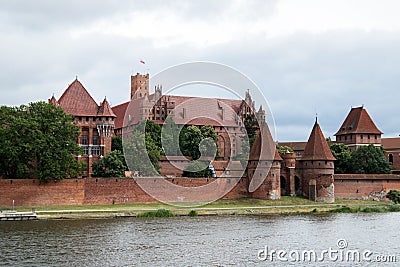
x=391, y=143
x=105, y=109
x=77, y=101
x=264, y=147
x=296, y=146
x=53, y=101
x=358, y=122
x=206, y=111
x=119, y=111
x=317, y=148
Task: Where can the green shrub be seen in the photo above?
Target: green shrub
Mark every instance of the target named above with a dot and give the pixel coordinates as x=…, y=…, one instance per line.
x=373, y=209
x=393, y=208
x=192, y=213
x=343, y=209
x=158, y=213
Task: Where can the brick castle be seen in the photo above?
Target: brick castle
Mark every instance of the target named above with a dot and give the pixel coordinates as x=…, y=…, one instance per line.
x=308, y=171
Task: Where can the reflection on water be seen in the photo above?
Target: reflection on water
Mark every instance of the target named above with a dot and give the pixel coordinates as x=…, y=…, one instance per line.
x=185, y=241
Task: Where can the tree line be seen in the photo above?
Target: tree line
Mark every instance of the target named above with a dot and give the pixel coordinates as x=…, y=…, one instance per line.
x=38, y=140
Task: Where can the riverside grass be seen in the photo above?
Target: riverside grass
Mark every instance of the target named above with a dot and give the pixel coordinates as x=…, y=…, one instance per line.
x=240, y=206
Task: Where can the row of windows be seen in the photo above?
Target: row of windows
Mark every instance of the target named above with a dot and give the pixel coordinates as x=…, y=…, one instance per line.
x=340, y=138
x=90, y=119
x=85, y=139
x=94, y=150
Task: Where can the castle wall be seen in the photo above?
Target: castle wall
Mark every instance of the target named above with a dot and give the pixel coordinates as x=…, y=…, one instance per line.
x=318, y=175
x=270, y=188
x=28, y=192
x=365, y=186
x=92, y=191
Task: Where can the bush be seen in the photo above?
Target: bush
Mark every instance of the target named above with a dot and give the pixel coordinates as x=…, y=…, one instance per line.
x=374, y=209
x=192, y=213
x=394, y=196
x=344, y=209
x=158, y=213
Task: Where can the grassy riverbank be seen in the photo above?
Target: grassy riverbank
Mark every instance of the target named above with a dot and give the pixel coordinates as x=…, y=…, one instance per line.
x=243, y=206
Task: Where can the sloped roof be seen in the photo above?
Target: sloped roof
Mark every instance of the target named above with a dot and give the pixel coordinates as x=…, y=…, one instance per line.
x=391, y=143
x=358, y=122
x=105, y=109
x=264, y=147
x=317, y=148
x=188, y=110
x=77, y=101
x=296, y=146
x=53, y=101
x=119, y=111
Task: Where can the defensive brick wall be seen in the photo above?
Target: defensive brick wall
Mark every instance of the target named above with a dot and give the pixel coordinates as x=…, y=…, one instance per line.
x=365, y=186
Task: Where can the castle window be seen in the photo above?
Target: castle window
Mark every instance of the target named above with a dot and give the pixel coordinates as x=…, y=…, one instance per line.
x=96, y=150
x=391, y=158
x=361, y=136
x=85, y=150
x=368, y=137
x=84, y=140
x=345, y=138
x=376, y=137
x=95, y=140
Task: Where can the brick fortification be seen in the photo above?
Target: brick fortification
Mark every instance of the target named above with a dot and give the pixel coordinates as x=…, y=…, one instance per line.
x=106, y=191
x=90, y=191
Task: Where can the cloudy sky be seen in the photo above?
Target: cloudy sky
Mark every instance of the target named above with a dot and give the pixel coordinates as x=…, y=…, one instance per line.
x=308, y=56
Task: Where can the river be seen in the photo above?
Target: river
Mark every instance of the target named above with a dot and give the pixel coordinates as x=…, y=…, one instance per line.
x=205, y=241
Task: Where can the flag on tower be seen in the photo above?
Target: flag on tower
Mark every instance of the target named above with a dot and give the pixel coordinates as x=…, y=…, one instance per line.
x=141, y=61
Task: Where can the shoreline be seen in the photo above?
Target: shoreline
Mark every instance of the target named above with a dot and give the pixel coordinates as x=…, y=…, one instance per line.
x=250, y=211
x=222, y=207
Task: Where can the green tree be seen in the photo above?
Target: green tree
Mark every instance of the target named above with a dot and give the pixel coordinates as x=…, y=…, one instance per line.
x=343, y=158
x=394, y=196
x=369, y=159
x=54, y=142
x=153, y=130
x=16, y=151
x=197, y=169
x=38, y=140
x=112, y=165
x=170, y=138
x=251, y=125
x=284, y=149
x=196, y=141
x=116, y=143
x=142, y=154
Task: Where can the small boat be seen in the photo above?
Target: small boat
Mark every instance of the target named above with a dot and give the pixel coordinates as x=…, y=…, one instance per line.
x=12, y=215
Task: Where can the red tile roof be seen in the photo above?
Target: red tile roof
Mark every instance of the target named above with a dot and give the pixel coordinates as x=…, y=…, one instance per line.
x=317, y=148
x=296, y=146
x=105, y=109
x=53, y=101
x=119, y=111
x=264, y=147
x=391, y=143
x=77, y=101
x=198, y=111
x=358, y=122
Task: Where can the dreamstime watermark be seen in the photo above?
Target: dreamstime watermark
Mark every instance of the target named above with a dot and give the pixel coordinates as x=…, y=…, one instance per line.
x=226, y=115
x=340, y=253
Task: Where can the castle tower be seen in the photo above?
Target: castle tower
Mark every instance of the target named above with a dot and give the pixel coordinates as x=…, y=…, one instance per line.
x=139, y=86
x=264, y=166
x=317, y=168
x=287, y=178
x=358, y=129
x=260, y=114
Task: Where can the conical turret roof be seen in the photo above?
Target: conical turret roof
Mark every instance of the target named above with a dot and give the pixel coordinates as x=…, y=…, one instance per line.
x=264, y=147
x=317, y=148
x=105, y=109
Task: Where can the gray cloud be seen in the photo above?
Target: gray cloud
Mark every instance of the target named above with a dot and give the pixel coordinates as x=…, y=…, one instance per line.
x=300, y=74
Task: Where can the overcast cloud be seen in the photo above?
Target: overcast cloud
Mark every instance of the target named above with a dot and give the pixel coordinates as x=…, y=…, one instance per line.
x=306, y=56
